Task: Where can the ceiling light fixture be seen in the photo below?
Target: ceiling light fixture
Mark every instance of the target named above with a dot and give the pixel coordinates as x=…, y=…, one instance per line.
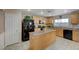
x=49, y=13
x=28, y=9
x=42, y=12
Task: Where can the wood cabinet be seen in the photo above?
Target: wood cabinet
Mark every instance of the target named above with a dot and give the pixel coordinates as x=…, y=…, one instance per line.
x=59, y=32
x=49, y=21
x=74, y=19
x=37, y=19
x=42, y=41
x=75, y=35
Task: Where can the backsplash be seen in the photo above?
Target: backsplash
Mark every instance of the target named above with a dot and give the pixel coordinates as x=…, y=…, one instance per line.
x=67, y=25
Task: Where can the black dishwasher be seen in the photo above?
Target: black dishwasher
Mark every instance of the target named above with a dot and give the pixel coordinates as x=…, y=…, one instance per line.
x=68, y=34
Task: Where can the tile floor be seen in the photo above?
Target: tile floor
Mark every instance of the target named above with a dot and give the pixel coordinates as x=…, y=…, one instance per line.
x=60, y=44
x=18, y=46
x=64, y=44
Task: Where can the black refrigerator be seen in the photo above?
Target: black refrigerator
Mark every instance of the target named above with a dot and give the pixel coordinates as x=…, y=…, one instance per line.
x=27, y=26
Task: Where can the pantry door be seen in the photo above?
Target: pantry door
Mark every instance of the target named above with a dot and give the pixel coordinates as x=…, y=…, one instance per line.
x=12, y=28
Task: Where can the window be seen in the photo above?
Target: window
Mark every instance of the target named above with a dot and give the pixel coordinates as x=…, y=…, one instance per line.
x=61, y=22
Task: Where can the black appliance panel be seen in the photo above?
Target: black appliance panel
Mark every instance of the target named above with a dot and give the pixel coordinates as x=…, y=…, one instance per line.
x=68, y=34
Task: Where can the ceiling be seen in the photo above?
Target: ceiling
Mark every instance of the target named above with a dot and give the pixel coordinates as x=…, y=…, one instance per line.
x=47, y=12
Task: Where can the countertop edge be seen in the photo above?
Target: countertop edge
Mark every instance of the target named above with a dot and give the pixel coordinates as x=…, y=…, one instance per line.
x=41, y=32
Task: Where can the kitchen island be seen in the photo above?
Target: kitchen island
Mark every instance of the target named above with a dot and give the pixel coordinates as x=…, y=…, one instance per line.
x=42, y=39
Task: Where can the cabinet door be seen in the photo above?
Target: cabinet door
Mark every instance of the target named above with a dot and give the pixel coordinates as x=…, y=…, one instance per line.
x=59, y=32
x=12, y=28
x=49, y=21
x=75, y=35
x=74, y=19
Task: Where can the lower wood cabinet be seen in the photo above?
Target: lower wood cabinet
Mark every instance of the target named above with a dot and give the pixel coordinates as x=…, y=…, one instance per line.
x=59, y=32
x=75, y=35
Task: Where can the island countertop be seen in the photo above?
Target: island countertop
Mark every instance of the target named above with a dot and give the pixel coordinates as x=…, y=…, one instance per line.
x=42, y=32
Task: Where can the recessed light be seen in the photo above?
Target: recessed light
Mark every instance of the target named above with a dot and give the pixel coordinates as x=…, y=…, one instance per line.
x=42, y=12
x=28, y=9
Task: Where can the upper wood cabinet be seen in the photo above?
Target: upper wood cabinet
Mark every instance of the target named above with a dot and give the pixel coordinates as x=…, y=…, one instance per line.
x=74, y=19
x=36, y=19
x=49, y=21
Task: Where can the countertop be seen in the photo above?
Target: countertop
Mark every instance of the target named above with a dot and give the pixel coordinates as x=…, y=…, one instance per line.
x=68, y=28
x=42, y=32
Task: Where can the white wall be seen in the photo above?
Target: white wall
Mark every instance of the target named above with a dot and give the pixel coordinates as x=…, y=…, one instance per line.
x=2, y=21
x=1, y=40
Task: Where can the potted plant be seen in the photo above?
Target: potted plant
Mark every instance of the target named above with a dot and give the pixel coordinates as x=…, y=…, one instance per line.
x=42, y=26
